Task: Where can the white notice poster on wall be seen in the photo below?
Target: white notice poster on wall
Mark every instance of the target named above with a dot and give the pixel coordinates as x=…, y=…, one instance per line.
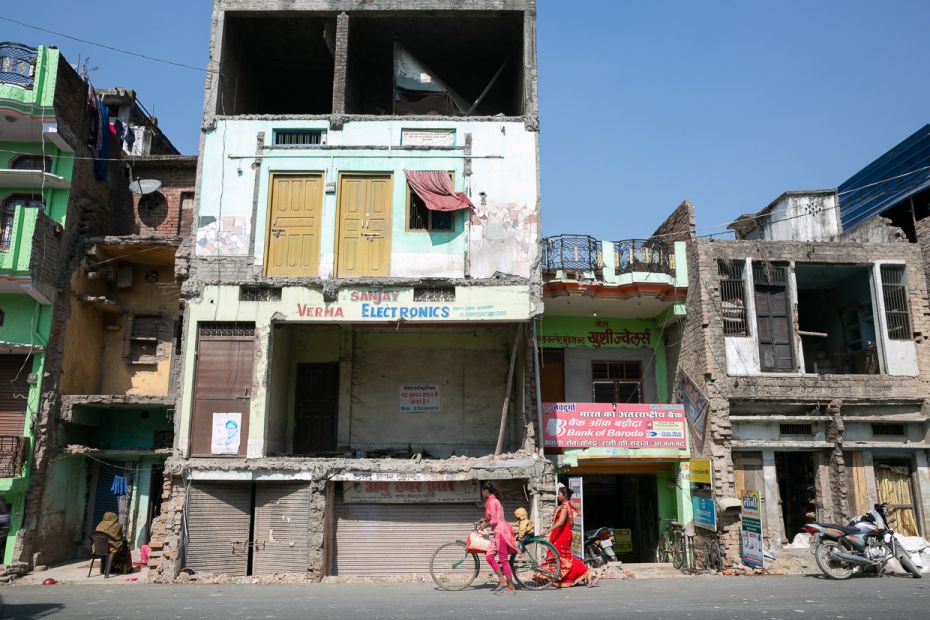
x=420, y=398
x=226, y=433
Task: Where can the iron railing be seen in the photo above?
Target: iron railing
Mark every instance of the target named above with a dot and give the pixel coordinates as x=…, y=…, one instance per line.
x=570, y=252
x=13, y=451
x=17, y=64
x=646, y=255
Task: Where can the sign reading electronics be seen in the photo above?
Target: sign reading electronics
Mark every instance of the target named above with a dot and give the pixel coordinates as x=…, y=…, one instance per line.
x=400, y=305
x=600, y=425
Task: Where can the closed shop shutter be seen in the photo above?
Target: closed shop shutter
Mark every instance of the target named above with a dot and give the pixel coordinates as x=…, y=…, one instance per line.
x=282, y=524
x=218, y=522
x=14, y=389
x=396, y=539
x=104, y=499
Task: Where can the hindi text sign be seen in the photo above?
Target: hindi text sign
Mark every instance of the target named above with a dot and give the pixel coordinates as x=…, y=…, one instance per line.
x=600, y=425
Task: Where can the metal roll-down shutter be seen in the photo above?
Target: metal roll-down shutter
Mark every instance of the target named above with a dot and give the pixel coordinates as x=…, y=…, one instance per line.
x=14, y=389
x=396, y=539
x=218, y=518
x=282, y=525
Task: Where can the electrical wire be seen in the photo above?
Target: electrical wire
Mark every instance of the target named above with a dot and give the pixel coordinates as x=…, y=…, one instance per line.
x=107, y=47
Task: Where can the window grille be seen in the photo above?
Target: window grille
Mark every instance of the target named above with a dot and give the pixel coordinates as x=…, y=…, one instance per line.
x=259, y=293
x=298, y=137
x=796, y=429
x=768, y=273
x=29, y=161
x=616, y=382
x=421, y=218
x=227, y=329
x=443, y=293
x=733, y=298
x=888, y=429
x=17, y=64
x=894, y=291
x=143, y=339
x=8, y=214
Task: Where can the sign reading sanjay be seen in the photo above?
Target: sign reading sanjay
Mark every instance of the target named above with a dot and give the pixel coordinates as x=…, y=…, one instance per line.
x=600, y=425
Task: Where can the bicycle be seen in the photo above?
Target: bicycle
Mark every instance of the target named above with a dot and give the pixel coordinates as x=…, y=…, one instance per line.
x=672, y=546
x=454, y=568
x=708, y=555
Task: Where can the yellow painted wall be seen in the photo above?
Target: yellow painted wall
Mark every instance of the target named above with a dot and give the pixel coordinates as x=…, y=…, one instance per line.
x=83, y=351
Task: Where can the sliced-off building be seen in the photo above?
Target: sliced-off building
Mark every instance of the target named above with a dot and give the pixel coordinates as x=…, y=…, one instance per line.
x=358, y=337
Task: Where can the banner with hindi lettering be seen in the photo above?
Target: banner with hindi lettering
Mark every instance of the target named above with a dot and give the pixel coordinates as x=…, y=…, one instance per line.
x=597, y=333
x=600, y=425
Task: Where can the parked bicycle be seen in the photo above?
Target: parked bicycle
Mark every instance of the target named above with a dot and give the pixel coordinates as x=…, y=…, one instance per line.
x=454, y=567
x=672, y=544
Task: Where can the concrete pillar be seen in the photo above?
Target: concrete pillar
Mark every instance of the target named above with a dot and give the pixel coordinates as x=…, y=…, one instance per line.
x=340, y=70
x=344, y=425
x=771, y=501
x=258, y=409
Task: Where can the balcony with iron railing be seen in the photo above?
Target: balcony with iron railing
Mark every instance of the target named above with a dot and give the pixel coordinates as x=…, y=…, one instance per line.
x=583, y=254
x=17, y=64
x=13, y=451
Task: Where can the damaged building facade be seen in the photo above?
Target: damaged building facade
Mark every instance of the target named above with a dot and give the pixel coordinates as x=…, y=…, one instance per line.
x=358, y=339
x=810, y=344
x=84, y=268
x=612, y=307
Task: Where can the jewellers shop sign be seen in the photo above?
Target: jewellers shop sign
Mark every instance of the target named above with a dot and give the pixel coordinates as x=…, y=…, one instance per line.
x=593, y=333
x=600, y=425
x=410, y=492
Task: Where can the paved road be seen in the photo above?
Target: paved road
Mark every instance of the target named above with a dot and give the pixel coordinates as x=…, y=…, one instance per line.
x=697, y=598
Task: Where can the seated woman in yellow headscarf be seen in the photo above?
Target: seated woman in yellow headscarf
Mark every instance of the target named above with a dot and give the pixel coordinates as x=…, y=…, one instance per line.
x=110, y=525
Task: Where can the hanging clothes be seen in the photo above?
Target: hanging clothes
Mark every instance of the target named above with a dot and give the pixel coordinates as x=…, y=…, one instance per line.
x=102, y=164
x=93, y=125
x=435, y=189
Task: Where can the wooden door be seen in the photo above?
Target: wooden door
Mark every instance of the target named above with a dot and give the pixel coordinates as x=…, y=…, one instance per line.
x=294, y=214
x=364, y=244
x=222, y=381
x=552, y=375
x=316, y=408
x=774, y=328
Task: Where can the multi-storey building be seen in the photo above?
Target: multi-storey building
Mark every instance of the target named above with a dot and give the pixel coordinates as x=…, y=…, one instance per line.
x=607, y=367
x=357, y=344
x=809, y=343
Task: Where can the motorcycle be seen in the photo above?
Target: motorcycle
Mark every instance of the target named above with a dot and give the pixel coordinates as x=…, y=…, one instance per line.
x=599, y=547
x=867, y=543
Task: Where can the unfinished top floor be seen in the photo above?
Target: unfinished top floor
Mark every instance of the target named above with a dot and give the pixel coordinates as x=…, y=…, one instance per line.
x=432, y=58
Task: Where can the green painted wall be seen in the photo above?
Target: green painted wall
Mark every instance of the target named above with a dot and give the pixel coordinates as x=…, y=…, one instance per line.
x=42, y=93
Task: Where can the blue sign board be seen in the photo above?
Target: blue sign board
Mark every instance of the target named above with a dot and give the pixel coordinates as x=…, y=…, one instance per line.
x=705, y=513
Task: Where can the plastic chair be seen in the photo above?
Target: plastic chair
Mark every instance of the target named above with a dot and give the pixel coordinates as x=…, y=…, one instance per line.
x=101, y=540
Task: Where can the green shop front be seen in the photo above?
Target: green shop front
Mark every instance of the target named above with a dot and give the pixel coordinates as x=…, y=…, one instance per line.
x=606, y=421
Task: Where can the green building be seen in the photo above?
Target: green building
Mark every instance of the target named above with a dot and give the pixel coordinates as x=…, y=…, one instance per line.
x=35, y=182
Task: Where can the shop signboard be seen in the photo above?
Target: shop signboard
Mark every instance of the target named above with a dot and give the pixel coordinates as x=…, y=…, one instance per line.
x=577, y=501
x=596, y=333
x=419, y=398
x=705, y=513
x=410, y=492
x=623, y=540
x=624, y=425
x=751, y=538
x=700, y=471
x=695, y=404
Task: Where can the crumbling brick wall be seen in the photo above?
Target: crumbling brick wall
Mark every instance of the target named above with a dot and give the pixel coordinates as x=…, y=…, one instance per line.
x=679, y=225
x=169, y=210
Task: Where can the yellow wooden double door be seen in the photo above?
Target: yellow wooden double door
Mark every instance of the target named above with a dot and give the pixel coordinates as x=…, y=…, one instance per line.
x=363, y=238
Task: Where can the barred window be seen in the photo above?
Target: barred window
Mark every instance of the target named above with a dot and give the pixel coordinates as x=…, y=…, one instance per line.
x=616, y=382
x=894, y=291
x=733, y=298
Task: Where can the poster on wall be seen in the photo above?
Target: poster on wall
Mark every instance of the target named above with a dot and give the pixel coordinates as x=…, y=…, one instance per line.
x=751, y=539
x=410, y=492
x=602, y=425
x=695, y=404
x=226, y=433
x=420, y=398
x=577, y=501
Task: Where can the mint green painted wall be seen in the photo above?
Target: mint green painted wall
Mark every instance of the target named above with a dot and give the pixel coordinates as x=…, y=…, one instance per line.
x=666, y=494
x=42, y=93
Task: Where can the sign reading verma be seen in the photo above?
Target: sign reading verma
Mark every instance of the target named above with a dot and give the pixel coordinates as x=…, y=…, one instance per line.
x=600, y=425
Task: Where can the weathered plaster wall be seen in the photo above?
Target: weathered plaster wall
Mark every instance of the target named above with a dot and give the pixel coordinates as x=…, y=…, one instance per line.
x=63, y=507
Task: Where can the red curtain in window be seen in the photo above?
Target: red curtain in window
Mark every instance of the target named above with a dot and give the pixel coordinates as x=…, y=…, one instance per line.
x=435, y=189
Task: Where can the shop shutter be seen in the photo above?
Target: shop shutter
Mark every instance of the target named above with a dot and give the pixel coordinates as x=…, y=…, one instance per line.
x=218, y=523
x=104, y=499
x=222, y=380
x=282, y=524
x=14, y=389
x=396, y=539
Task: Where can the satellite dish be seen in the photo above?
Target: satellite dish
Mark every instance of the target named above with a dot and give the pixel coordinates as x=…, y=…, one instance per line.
x=144, y=186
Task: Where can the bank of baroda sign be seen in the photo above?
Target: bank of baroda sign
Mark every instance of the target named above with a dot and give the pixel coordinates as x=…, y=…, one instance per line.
x=601, y=425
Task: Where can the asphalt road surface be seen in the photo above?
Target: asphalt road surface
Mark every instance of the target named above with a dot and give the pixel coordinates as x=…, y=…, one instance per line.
x=697, y=598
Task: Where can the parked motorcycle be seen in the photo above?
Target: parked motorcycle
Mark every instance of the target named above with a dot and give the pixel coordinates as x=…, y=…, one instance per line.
x=599, y=547
x=867, y=543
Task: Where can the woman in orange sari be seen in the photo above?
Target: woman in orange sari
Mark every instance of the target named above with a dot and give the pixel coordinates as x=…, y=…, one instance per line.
x=572, y=570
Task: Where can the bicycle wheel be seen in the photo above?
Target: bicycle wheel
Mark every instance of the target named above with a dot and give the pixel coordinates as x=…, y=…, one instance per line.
x=452, y=567
x=715, y=556
x=538, y=567
x=678, y=552
x=665, y=548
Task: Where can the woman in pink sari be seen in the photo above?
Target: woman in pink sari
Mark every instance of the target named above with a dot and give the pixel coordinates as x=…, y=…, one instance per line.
x=503, y=543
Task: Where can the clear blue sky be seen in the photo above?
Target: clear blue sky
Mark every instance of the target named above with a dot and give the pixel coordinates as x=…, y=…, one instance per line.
x=643, y=103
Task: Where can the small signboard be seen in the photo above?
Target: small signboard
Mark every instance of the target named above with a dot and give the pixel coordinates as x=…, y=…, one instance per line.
x=623, y=540
x=695, y=404
x=751, y=538
x=705, y=513
x=410, y=492
x=700, y=471
x=420, y=398
x=427, y=137
x=577, y=501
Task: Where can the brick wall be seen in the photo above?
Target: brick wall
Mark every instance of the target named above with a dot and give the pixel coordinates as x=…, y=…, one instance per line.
x=167, y=211
x=679, y=225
